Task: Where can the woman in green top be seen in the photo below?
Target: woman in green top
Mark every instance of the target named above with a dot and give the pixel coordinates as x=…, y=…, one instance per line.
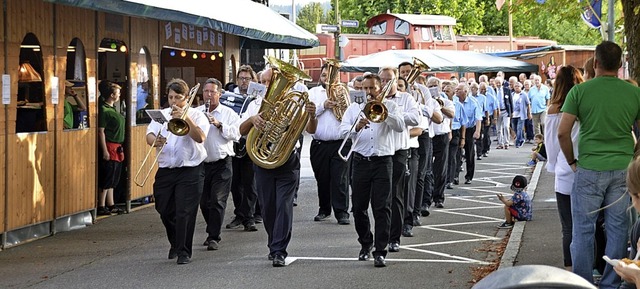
x=111, y=136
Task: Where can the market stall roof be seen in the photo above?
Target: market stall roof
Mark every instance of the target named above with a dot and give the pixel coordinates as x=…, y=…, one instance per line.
x=527, y=53
x=439, y=61
x=261, y=26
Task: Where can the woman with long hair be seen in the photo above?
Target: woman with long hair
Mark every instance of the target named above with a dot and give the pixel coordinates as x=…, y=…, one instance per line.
x=568, y=76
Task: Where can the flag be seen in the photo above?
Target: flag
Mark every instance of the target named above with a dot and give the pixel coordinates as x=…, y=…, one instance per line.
x=592, y=13
x=499, y=4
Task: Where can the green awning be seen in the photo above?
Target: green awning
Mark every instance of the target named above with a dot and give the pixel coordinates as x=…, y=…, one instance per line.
x=261, y=26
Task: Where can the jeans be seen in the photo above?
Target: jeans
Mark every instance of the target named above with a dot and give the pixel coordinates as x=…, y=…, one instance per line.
x=517, y=124
x=592, y=190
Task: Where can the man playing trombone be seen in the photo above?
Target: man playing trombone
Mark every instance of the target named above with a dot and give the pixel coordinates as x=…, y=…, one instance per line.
x=372, y=167
x=223, y=131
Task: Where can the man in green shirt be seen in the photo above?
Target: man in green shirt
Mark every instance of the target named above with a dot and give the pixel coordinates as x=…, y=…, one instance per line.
x=607, y=108
x=70, y=109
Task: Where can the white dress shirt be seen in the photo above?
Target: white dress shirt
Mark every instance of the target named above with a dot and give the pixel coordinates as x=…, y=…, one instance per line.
x=327, y=121
x=219, y=142
x=445, y=126
x=377, y=139
x=412, y=117
x=181, y=151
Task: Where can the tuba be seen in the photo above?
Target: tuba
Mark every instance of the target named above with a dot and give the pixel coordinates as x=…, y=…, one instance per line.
x=284, y=114
x=336, y=91
x=417, y=68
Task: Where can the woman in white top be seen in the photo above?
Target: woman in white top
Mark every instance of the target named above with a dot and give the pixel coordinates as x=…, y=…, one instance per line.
x=180, y=178
x=567, y=77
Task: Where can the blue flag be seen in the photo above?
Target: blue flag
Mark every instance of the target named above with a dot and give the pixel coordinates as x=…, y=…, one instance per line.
x=592, y=13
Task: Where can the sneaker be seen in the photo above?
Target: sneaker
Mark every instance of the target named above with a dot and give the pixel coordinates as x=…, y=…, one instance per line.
x=505, y=225
x=213, y=245
x=250, y=226
x=531, y=163
x=235, y=223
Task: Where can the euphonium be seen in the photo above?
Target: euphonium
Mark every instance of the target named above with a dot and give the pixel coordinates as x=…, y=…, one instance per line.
x=336, y=91
x=416, y=69
x=284, y=114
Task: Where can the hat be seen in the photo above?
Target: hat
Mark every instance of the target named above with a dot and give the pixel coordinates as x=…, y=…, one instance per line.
x=68, y=83
x=519, y=182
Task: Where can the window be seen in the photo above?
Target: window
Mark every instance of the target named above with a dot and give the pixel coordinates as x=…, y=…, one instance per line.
x=401, y=27
x=426, y=33
x=442, y=33
x=31, y=112
x=75, y=88
x=379, y=28
x=144, y=95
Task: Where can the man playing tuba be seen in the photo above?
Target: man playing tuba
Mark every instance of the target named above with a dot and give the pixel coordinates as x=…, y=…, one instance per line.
x=329, y=169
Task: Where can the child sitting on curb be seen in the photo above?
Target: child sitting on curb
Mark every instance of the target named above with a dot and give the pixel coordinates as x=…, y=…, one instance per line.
x=518, y=207
x=539, y=151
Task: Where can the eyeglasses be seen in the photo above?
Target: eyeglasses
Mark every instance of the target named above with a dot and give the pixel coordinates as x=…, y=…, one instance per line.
x=244, y=78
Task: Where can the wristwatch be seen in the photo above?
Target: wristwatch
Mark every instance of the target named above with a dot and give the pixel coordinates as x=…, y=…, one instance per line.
x=573, y=162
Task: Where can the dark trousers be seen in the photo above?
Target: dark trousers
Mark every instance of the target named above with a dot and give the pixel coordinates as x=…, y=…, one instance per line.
x=332, y=178
x=528, y=127
x=454, y=158
x=397, y=194
x=276, y=190
x=177, y=195
x=217, y=183
x=440, y=170
x=469, y=152
x=486, y=136
x=425, y=179
x=410, y=187
x=566, y=221
x=372, y=183
x=243, y=189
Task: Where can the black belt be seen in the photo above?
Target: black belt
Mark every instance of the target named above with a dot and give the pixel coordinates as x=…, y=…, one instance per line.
x=218, y=161
x=360, y=157
x=327, y=141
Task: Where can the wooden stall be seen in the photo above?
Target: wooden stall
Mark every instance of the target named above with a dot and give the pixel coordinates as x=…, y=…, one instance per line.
x=3, y=138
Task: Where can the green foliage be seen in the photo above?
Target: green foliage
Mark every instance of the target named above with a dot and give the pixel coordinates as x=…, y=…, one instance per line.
x=312, y=14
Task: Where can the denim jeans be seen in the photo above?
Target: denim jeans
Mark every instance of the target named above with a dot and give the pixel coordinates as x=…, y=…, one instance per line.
x=592, y=190
x=517, y=124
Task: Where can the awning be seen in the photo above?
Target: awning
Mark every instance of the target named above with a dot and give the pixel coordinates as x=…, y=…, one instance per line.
x=527, y=53
x=261, y=26
x=439, y=61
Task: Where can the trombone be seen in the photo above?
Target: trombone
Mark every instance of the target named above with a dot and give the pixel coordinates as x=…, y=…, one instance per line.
x=375, y=111
x=177, y=126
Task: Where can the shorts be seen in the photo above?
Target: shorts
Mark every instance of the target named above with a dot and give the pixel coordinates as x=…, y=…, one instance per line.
x=109, y=174
x=515, y=214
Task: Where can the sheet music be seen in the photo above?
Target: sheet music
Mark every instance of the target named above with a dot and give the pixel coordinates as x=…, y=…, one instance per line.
x=157, y=115
x=357, y=96
x=256, y=89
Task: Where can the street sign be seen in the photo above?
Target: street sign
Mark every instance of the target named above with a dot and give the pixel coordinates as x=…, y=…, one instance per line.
x=349, y=23
x=329, y=28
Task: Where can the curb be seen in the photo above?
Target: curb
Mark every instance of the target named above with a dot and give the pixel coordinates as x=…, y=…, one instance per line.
x=513, y=246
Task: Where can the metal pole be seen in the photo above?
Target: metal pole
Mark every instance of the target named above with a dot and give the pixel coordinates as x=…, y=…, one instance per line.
x=294, y=57
x=337, y=33
x=611, y=26
x=510, y=26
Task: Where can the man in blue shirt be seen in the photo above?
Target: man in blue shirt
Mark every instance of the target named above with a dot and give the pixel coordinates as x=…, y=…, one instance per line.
x=471, y=126
x=454, y=144
x=539, y=96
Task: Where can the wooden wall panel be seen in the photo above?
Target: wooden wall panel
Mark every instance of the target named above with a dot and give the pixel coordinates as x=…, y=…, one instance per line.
x=30, y=195
x=107, y=29
x=3, y=169
x=139, y=149
x=30, y=161
x=76, y=149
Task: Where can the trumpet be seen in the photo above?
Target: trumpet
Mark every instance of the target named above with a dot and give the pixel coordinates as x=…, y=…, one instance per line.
x=177, y=126
x=374, y=110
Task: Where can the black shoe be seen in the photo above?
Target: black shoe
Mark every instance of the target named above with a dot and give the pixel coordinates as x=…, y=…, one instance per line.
x=295, y=202
x=379, y=262
x=365, y=254
x=278, y=261
x=321, y=216
x=394, y=247
x=206, y=242
x=102, y=211
x=250, y=226
x=484, y=155
x=449, y=186
x=439, y=205
x=270, y=257
x=184, y=260
x=344, y=221
x=479, y=158
x=257, y=219
x=407, y=231
x=416, y=220
x=172, y=254
x=115, y=210
x=425, y=212
x=467, y=181
x=456, y=181
x=213, y=245
x=235, y=223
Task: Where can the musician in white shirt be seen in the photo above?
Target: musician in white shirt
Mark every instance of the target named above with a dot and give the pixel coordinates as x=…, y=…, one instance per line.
x=223, y=131
x=372, y=168
x=180, y=176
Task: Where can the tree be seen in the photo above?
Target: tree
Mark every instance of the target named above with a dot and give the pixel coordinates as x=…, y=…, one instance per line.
x=312, y=14
x=631, y=10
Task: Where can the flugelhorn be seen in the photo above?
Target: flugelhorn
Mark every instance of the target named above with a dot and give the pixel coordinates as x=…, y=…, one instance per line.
x=336, y=91
x=177, y=126
x=284, y=114
x=374, y=110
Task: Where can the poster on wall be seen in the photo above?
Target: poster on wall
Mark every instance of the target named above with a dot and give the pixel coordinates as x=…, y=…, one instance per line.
x=205, y=34
x=220, y=39
x=176, y=39
x=6, y=89
x=185, y=31
x=91, y=87
x=192, y=32
x=212, y=38
x=55, y=93
x=199, y=37
x=167, y=30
